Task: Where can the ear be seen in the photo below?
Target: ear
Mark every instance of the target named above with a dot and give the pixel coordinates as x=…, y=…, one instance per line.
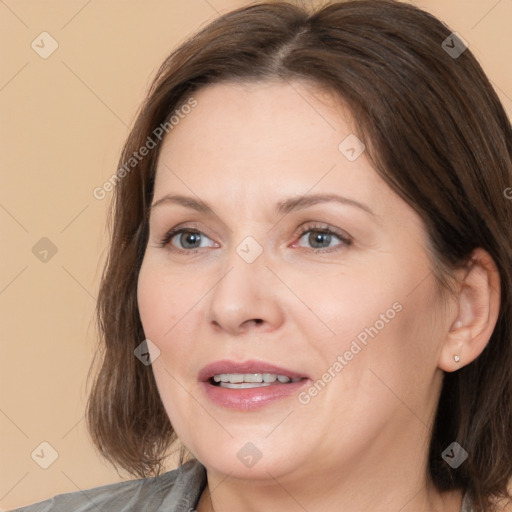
x=478, y=301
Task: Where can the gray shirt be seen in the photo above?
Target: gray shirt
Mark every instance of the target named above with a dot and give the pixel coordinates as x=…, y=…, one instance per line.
x=175, y=491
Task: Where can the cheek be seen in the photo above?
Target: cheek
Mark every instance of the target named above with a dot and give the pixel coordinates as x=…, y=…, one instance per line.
x=348, y=304
x=153, y=301
x=384, y=317
x=160, y=309
x=170, y=307
x=163, y=300
x=369, y=329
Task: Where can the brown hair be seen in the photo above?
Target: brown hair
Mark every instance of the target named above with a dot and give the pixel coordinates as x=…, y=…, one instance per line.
x=435, y=131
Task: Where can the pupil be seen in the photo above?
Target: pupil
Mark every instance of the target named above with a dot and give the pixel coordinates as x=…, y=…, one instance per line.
x=190, y=238
x=319, y=238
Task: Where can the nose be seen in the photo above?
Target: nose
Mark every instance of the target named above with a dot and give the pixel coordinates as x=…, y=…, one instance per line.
x=246, y=298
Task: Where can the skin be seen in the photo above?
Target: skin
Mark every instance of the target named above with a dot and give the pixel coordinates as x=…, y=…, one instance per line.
x=361, y=443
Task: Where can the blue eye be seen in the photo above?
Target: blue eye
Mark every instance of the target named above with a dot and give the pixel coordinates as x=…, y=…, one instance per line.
x=320, y=238
x=186, y=240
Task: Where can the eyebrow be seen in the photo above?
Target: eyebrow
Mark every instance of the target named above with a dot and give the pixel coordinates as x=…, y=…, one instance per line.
x=283, y=207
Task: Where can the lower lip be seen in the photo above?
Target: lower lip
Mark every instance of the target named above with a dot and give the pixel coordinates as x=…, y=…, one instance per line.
x=251, y=398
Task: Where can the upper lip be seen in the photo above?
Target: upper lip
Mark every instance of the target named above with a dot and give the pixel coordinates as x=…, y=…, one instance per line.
x=227, y=366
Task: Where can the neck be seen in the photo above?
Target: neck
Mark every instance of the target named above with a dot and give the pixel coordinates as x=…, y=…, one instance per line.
x=327, y=493
x=423, y=501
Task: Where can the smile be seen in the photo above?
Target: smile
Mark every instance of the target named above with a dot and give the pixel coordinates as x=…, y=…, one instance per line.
x=250, y=380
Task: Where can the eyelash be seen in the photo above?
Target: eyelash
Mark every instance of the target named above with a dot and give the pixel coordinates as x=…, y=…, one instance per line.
x=323, y=229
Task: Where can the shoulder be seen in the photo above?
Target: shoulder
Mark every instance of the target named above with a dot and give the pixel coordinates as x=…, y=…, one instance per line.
x=182, y=486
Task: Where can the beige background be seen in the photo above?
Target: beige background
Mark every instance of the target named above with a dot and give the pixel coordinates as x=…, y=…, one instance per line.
x=64, y=121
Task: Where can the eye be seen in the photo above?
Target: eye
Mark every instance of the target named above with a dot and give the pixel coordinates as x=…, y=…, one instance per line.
x=322, y=237
x=186, y=240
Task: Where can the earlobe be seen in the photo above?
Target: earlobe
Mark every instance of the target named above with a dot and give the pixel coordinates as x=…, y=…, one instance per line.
x=478, y=302
x=454, y=354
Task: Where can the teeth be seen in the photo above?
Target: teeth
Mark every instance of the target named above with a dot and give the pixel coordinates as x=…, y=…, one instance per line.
x=250, y=380
x=253, y=377
x=244, y=385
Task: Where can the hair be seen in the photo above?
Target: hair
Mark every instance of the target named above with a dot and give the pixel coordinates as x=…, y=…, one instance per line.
x=435, y=131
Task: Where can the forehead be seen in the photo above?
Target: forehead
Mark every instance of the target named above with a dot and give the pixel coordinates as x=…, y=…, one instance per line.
x=260, y=115
x=266, y=140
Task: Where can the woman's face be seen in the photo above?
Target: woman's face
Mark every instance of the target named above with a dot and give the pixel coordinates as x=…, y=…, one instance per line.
x=297, y=260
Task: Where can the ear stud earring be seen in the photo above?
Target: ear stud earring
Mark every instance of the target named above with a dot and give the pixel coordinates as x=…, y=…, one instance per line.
x=456, y=358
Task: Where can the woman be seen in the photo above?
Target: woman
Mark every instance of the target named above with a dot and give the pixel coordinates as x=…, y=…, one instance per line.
x=309, y=281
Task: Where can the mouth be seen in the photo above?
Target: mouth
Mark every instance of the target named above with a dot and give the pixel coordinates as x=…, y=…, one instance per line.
x=224, y=373
x=250, y=384
x=250, y=380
